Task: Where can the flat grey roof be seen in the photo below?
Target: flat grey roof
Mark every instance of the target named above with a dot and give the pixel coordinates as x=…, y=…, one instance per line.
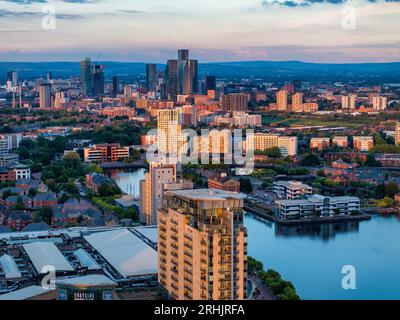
x=149, y=232
x=89, y=280
x=126, y=252
x=9, y=267
x=46, y=254
x=25, y=293
x=208, y=194
x=86, y=260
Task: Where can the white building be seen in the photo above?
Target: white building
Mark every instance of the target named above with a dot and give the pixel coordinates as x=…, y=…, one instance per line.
x=317, y=205
x=22, y=172
x=291, y=189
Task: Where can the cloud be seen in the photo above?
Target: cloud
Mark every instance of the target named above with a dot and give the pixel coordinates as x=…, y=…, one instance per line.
x=23, y=2
x=305, y=3
x=127, y=11
x=7, y=13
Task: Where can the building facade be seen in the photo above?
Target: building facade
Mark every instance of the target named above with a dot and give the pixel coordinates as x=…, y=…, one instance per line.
x=317, y=205
x=202, y=247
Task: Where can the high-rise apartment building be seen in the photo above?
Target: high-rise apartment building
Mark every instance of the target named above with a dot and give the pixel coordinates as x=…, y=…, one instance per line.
x=235, y=102
x=45, y=96
x=86, y=77
x=282, y=100
x=170, y=139
x=151, y=77
x=379, y=103
x=349, y=102
x=202, y=245
x=297, y=102
x=397, y=134
x=151, y=189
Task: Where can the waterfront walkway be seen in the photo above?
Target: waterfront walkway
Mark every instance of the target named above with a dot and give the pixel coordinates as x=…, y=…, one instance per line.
x=259, y=290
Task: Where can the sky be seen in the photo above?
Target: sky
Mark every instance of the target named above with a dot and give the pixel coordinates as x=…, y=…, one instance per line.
x=329, y=31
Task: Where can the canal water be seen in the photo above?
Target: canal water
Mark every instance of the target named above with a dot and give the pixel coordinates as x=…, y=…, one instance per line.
x=127, y=180
x=312, y=257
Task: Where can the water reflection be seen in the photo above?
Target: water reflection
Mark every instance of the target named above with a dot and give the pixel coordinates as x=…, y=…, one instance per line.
x=324, y=231
x=127, y=180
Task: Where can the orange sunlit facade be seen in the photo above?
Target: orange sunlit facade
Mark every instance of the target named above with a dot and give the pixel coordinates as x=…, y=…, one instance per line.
x=202, y=245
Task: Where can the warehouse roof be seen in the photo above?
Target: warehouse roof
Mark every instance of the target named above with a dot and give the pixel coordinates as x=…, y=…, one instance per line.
x=46, y=254
x=126, y=252
x=9, y=267
x=86, y=260
x=25, y=293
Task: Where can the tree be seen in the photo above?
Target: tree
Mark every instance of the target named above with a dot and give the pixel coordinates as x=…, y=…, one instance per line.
x=46, y=213
x=32, y=192
x=289, y=294
x=245, y=185
x=52, y=185
x=36, y=217
x=108, y=190
x=71, y=188
x=7, y=193
x=391, y=189
x=274, y=152
x=371, y=161
x=63, y=198
x=19, y=205
x=310, y=159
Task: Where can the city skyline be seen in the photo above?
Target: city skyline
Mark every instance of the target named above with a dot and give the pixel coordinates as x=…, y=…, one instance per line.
x=214, y=32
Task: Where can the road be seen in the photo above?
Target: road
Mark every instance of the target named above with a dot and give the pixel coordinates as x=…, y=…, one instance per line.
x=264, y=292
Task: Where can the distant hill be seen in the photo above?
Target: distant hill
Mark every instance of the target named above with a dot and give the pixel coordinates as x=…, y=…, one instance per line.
x=269, y=70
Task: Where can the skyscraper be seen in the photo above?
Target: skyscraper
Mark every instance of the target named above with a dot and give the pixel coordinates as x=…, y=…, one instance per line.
x=13, y=77
x=151, y=77
x=86, y=77
x=202, y=245
x=171, y=77
x=98, y=79
x=187, y=73
x=115, y=86
x=45, y=96
x=211, y=83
